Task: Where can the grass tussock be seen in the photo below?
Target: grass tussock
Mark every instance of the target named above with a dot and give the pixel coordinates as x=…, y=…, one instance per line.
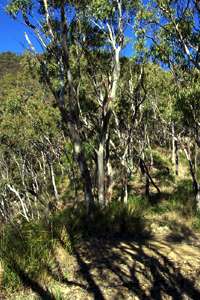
x=25, y=249
x=28, y=249
x=115, y=218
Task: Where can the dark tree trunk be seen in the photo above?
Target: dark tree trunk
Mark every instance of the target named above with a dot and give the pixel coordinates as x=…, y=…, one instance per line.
x=176, y=158
x=147, y=185
x=196, y=186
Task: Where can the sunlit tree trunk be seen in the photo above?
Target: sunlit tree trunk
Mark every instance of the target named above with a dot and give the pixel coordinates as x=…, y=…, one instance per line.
x=101, y=175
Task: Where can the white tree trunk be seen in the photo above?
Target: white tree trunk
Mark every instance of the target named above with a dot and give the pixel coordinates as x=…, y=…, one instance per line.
x=173, y=145
x=100, y=161
x=23, y=205
x=110, y=180
x=54, y=182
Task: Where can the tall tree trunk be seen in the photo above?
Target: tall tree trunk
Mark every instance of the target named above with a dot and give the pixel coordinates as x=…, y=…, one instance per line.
x=110, y=183
x=125, y=196
x=110, y=172
x=53, y=182
x=107, y=112
x=1, y=275
x=147, y=186
x=101, y=179
x=195, y=156
x=176, y=158
x=72, y=118
x=85, y=174
x=173, y=145
x=196, y=186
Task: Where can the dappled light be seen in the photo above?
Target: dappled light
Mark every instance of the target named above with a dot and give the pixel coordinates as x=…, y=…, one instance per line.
x=100, y=150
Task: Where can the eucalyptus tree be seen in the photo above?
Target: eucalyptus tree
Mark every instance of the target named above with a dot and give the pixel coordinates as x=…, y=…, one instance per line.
x=69, y=33
x=127, y=121
x=173, y=28
x=174, y=31
x=187, y=112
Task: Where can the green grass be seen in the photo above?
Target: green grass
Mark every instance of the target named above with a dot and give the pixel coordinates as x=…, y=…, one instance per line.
x=27, y=247
x=30, y=246
x=160, y=161
x=196, y=221
x=115, y=218
x=180, y=200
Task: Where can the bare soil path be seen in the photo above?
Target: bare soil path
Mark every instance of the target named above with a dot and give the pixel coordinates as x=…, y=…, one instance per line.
x=162, y=267
x=165, y=265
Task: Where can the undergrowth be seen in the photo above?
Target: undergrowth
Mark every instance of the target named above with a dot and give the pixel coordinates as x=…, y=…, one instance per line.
x=28, y=249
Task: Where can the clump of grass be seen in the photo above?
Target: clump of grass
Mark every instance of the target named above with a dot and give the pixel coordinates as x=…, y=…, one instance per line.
x=196, y=221
x=114, y=219
x=30, y=247
x=139, y=203
x=160, y=161
x=181, y=200
x=57, y=293
x=164, y=175
x=27, y=248
x=11, y=281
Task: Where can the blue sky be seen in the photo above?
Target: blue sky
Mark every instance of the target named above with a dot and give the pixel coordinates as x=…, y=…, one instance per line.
x=12, y=34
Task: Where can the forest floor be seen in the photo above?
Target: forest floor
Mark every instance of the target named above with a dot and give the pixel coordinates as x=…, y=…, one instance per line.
x=162, y=265
x=163, y=262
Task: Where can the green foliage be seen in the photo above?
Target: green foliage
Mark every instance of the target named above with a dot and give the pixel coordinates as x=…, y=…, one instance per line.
x=139, y=203
x=115, y=219
x=9, y=64
x=172, y=27
x=181, y=200
x=102, y=8
x=16, y=5
x=187, y=103
x=168, y=205
x=31, y=137
x=11, y=281
x=196, y=222
x=29, y=246
x=160, y=161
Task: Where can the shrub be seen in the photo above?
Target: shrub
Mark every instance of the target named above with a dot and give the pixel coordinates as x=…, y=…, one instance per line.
x=26, y=247
x=160, y=161
x=30, y=247
x=116, y=218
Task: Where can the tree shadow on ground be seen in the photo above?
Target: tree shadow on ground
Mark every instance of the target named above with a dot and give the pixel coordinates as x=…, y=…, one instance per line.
x=182, y=194
x=181, y=233
x=156, y=198
x=118, y=267
x=122, y=268
x=30, y=283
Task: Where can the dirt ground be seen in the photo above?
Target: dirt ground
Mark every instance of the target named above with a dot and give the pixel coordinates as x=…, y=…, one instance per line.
x=152, y=269
x=165, y=265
